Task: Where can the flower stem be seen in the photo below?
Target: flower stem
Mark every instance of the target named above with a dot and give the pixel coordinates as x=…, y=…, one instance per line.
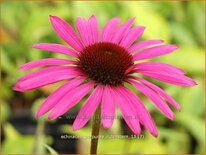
x=95, y=131
x=39, y=136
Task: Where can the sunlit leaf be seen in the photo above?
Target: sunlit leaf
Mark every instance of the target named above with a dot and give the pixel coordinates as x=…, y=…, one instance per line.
x=50, y=149
x=156, y=26
x=15, y=141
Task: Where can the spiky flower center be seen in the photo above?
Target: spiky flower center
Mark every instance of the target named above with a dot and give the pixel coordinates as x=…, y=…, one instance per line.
x=105, y=62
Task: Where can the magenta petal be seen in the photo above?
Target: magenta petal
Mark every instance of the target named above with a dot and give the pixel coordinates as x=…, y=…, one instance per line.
x=122, y=31
x=143, y=114
x=58, y=94
x=88, y=108
x=134, y=34
x=88, y=30
x=176, y=79
x=46, y=62
x=83, y=29
x=128, y=112
x=159, y=103
x=44, y=77
x=55, y=48
x=154, y=52
x=66, y=32
x=70, y=99
x=161, y=92
x=93, y=24
x=143, y=44
x=108, y=107
x=47, y=69
x=109, y=29
x=159, y=67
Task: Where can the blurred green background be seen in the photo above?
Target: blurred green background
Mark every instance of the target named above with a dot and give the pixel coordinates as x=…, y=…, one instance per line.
x=26, y=23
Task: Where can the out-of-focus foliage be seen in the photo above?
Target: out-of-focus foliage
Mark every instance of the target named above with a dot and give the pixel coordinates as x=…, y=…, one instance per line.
x=182, y=23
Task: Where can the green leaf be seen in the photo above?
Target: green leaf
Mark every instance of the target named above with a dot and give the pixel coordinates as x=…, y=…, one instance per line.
x=20, y=144
x=194, y=125
x=8, y=64
x=192, y=100
x=5, y=112
x=182, y=35
x=196, y=20
x=50, y=149
x=155, y=24
x=176, y=141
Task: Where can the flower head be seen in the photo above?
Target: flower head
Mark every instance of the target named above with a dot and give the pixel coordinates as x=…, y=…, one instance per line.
x=103, y=63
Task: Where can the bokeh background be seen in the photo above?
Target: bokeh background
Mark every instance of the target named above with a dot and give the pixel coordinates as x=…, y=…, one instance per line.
x=27, y=22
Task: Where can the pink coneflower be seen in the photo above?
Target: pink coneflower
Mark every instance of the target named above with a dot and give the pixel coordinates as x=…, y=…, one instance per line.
x=103, y=63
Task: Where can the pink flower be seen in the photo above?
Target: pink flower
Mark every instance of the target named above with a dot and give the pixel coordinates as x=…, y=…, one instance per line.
x=104, y=62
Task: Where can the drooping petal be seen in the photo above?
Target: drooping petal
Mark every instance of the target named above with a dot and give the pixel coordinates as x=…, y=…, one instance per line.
x=55, y=48
x=47, y=69
x=108, y=107
x=134, y=34
x=44, y=77
x=176, y=79
x=88, y=108
x=83, y=29
x=129, y=114
x=161, y=92
x=109, y=29
x=154, y=52
x=159, y=103
x=93, y=24
x=66, y=32
x=122, y=31
x=70, y=99
x=58, y=94
x=159, y=67
x=46, y=62
x=143, y=44
x=143, y=114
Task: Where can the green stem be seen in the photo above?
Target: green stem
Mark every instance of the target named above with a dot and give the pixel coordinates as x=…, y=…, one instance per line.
x=38, y=136
x=95, y=131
